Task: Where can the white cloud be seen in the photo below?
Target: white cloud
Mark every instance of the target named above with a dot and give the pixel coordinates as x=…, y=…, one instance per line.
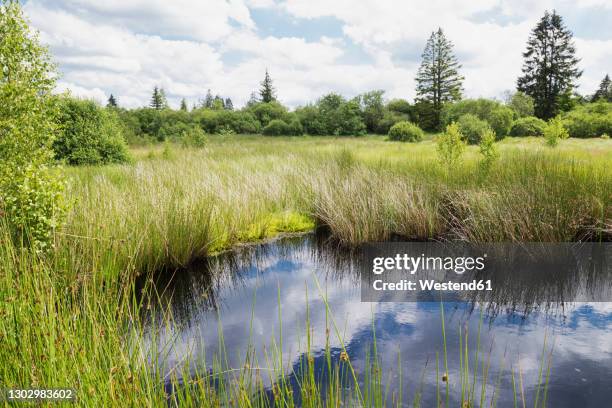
x=186, y=46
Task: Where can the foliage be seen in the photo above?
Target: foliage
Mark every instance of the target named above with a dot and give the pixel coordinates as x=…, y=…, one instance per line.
x=112, y=102
x=406, y=132
x=276, y=127
x=550, y=65
x=487, y=150
x=472, y=128
x=372, y=108
x=604, y=92
x=31, y=202
x=311, y=120
x=158, y=99
x=528, y=126
x=438, y=79
x=389, y=119
x=193, y=136
x=400, y=106
x=267, y=91
x=89, y=134
x=554, y=132
x=498, y=116
x=340, y=117
x=521, y=104
x=590, y=120
x=267, y=111
x=450, y=146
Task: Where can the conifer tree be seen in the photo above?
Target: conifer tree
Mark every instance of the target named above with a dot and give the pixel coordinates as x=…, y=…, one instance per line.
x=253, y=100
x=183, y=105
x=550, y=65
x=438, y=79
x=604, y=91
x=112, y=102
x=228, y=104
x=218, y=103
x=267, y=91
x=157, y=99
x=208, y=100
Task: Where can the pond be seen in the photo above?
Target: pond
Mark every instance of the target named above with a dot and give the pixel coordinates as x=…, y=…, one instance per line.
x=239, y=293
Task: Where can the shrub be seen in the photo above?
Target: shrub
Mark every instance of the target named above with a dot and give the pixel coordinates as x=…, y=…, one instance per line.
x=389, y=119
x=450, y=146
x=31, y=202
x=339, y=116
x=277, y=127
x=194, y=136
x=89, y=134
x=590, y=120
x=487, y=150
x=406, y=132
x=265, y=112
x=498, y=116
x=310, y=119
x=295, y=127
x=528, y=126
x=554, y=132
x=521, y=104
x=472, y=128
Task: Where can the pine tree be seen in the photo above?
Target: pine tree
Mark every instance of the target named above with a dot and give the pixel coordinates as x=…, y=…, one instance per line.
x=267, y=91
x=253, y=100
x=604, y=91
x=550, y=66
x=228, y=104
x=157, y=102
x=112, y=102
x=164, y=100
x=183, y=105
x=208, y=100
x=438, y=79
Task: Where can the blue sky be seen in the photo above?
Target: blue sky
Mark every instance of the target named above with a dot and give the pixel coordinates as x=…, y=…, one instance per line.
x=310, y=47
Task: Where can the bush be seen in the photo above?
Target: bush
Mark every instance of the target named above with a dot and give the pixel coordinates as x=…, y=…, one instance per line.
x=277, y=127
x=388, y=120
x=487, y=150
x=194, y=136
x=406, y=132
x=554, y=132
x=31, y=202
x=472, y=128
x=590, y=120
x=89, y=134
x=295, y=127
x=310, y=119
x=340, y=117
x=265, y=112
x=529, y=126
x=521, y=104
x=450, y=146
x=498, y=116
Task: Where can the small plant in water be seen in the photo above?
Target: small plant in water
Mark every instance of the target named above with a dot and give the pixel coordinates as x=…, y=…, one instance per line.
x=554, y=132
x=450, y=146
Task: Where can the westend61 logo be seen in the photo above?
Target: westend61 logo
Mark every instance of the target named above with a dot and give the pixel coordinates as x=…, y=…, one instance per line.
x=412, y=264
x=536, y=273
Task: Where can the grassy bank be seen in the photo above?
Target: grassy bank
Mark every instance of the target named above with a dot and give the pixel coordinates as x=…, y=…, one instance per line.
x=67, y=319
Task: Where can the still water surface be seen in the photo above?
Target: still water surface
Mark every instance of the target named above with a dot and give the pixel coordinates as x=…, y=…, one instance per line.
x=241, y=291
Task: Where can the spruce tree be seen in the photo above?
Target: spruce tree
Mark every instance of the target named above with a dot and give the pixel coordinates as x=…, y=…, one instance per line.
x=228, y=104
x=208, y=100
x=267, y=91
x=112, y=102
x=183, y=105
x=550, y=65
x=604, y=91
x=438, y=79
x=253, y=100
x=157, y=101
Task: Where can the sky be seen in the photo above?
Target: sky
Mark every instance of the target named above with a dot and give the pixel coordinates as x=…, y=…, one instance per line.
x=310, y=47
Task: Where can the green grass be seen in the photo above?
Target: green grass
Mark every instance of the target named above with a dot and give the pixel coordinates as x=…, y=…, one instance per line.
x=69, y=318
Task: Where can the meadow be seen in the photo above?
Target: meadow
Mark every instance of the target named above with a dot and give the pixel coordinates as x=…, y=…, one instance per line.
x=70, y=318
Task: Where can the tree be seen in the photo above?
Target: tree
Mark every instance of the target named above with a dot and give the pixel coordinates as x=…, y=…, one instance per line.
x=521, y=104
x=158, y=99
x=228, y=104
x=31, y=200
x=372, y=108
x=253, y=100
x=550, y=65
x=183, y=105
x=208, y=100
x=438, y=79
x=112, y=102
x=218, y=103
x=604, y=91
x=267, y=91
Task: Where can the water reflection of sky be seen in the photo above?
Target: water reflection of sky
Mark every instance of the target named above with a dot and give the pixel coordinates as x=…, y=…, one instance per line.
x=283, y=273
